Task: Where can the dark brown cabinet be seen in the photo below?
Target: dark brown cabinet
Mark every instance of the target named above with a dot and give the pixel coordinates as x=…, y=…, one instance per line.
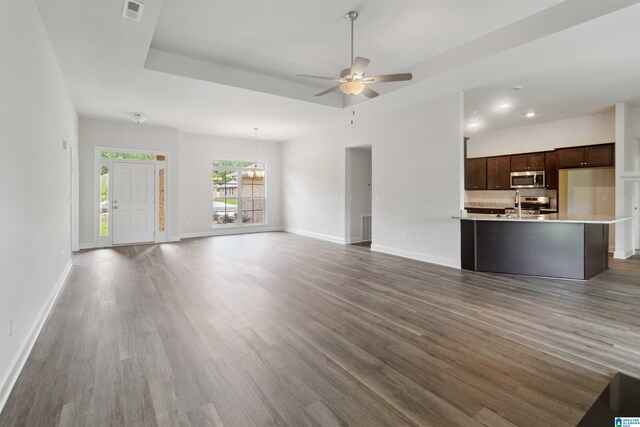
x=498, y=169
x=492, y=173
x=475, y=176
x=599, y=155
x=551, y=170
x=571, y=157
x=527, y=162
x=586, y=157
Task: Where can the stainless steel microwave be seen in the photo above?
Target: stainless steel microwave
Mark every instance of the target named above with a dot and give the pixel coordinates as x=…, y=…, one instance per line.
x=529, y=179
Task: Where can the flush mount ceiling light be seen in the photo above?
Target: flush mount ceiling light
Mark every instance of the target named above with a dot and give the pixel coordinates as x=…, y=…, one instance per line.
x=352, y=80
x=138, y=117
x=530, y=114
x=504, y=106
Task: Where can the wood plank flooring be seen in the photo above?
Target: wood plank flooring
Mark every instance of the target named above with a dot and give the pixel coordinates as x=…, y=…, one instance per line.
x=277, y=329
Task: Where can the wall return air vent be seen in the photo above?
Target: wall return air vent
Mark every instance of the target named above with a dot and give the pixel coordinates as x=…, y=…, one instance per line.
x=132, y=9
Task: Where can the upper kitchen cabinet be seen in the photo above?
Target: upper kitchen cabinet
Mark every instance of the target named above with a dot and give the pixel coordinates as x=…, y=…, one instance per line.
x=585, y=157
x=551, y=170
x=527, y=162
x=498, y=169
x=600, y=155
x=475, y=176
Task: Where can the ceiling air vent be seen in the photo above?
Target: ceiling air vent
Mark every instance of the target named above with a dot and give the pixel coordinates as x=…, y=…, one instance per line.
x=132, y=9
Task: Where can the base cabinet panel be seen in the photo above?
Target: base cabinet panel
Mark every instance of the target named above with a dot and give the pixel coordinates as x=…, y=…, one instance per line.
x=548, y=249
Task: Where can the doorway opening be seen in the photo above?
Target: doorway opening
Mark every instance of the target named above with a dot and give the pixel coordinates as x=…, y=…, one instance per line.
x=358, y=208
x=130, y=201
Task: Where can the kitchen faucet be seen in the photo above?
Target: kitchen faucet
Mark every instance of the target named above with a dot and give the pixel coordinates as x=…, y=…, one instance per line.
x=519, y=204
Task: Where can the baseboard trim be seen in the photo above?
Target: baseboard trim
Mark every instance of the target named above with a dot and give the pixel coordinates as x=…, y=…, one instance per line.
x=18, y=363
x=353, y=240
x=229, y=231
x=623, y=254
x=313, y=235
x=447, y=262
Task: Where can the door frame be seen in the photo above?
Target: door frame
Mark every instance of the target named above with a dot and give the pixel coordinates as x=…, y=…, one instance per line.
x=107, y=241
x=349, y=194
x=635, y=207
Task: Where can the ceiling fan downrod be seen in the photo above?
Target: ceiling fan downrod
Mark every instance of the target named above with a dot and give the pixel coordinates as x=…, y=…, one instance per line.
x=351, y=16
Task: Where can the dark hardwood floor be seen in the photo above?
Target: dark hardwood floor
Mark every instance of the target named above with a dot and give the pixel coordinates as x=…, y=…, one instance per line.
x=278, y=329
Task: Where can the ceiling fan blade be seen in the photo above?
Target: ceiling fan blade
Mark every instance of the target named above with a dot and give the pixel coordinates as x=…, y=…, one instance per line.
x=388, y=78
x=359, y=65
x=369, y=93
x=317, y=77
x=333, y=89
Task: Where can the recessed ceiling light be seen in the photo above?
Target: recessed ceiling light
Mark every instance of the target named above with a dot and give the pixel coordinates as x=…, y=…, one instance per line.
x=504, y=106
x=516, y=88
x=530, y=114
x=473, y=125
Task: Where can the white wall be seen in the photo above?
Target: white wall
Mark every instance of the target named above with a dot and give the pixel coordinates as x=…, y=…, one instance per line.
x=103, y=133
x=358, y=191
x=635, y=130
x=36, y=114
x=635, y=150
x=197, y=153
x=625, y=148
x=590, y=191
x=583, y=130
x=417, y=175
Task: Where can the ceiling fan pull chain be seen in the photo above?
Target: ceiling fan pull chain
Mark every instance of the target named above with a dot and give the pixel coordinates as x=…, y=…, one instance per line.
x=353, y=114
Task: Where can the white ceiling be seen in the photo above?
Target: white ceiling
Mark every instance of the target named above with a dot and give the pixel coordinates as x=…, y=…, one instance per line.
x=225, y=67
x=285, y=38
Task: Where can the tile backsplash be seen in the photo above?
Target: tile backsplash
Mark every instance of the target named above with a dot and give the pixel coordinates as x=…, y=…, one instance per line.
x=503, y=198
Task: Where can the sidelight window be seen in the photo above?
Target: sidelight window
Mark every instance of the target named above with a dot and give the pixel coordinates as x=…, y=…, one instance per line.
x=104, y=201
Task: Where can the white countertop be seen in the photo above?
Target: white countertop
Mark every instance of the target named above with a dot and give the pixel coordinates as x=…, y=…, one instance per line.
x=568, y=218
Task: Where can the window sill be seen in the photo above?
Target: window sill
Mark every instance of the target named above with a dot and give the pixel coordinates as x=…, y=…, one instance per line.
x=236, y=226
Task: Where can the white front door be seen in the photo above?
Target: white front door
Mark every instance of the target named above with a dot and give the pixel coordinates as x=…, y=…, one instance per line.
x=133, y=202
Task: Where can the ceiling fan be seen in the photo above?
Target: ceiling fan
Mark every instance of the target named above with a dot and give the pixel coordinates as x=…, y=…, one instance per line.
x=352, y=80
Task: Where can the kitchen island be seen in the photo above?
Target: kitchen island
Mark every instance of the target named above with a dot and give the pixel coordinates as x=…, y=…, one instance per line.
x=555, y=245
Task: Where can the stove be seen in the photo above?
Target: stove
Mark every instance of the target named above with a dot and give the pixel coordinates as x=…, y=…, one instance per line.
x=532, y=205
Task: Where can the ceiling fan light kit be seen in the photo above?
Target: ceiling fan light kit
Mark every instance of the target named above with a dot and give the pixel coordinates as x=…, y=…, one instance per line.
x=352, y=80
x=352, y=88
